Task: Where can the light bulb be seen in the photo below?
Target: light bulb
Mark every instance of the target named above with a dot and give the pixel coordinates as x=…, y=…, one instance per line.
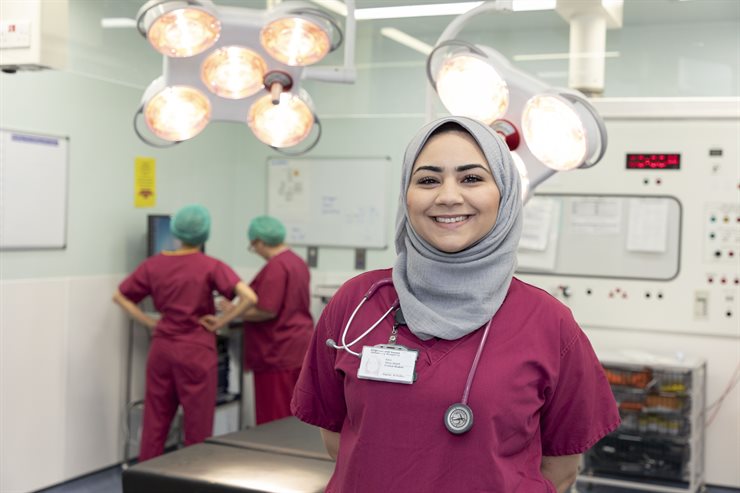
x=470, y=86
x=177, y=113
x=233, y=72
x=295, y=41
x=554, y=133
x=184, y=32
x=281, y=125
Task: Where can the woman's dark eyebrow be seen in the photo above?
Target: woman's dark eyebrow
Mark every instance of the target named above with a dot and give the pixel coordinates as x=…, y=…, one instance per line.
x=462, y=167
x=466, y=167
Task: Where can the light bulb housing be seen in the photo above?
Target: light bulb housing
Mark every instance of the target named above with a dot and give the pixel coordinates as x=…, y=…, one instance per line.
x=468, y=82
x=175, y=113
x=285, y=124
x=228, y=77
x=558, y=131
x=233, y=72
x=299, y=37
x=179, y=28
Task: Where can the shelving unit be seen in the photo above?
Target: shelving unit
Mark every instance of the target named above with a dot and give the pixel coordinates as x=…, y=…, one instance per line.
x=660, y=444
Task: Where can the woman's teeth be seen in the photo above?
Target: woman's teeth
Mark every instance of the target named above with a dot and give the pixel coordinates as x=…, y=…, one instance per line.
x=450, y=219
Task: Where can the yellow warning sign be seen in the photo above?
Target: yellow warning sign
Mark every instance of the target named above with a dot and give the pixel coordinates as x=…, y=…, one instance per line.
x=145, y=181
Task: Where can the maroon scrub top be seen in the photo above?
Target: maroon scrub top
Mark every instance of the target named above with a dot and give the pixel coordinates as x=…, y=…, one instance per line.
x=539, y=390
x=181, y=286
x=282, y=287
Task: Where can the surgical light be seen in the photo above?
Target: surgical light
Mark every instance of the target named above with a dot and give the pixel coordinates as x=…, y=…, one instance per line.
x=281, y=125
x=554, y=132
x=177, y=113
x=551, y=129
x=239, y=64
x=295, y=41
x=470, y=86
x=233, y=72
x=179, y=28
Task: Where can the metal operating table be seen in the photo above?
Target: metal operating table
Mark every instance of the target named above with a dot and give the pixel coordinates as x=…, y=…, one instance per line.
x=283, y=456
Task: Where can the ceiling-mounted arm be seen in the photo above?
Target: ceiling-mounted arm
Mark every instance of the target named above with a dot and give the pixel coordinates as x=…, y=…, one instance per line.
x=347, y=73
x=457, y=24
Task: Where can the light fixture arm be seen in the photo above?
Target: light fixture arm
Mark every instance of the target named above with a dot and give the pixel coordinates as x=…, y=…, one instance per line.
x=457, y=24
x=347, y=73
x=577, y=98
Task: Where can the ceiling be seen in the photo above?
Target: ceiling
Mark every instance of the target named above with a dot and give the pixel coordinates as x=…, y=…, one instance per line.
x=636, y=12
x=111, y=53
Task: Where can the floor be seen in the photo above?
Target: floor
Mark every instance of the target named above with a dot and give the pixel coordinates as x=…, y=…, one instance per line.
x=109, y=481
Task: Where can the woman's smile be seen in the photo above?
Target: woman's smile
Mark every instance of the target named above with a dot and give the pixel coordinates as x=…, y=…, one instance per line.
x=451, y=220
x=452, y=199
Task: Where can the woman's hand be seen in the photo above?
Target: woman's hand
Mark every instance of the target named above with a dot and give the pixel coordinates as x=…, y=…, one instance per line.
x=211, y=322
x=134, y=311
x=224, y=305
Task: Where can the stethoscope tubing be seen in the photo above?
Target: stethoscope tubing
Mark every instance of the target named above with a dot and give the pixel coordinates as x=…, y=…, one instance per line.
x=462, y=409
x=346, y=346
x=474, y=366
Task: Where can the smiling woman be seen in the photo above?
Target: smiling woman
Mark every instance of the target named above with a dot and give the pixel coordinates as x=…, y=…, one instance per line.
x=534, y=396
x=453, y=198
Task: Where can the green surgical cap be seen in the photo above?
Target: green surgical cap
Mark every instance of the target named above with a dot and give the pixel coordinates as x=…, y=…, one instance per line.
x=191, y=224
x=267, y=229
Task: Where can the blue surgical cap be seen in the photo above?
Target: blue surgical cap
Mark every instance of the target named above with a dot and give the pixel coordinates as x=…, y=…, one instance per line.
x=191, y=224
x=267, y=229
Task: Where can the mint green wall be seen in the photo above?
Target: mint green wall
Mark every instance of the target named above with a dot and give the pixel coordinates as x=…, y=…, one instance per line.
x=105, y=232
x=93, y=101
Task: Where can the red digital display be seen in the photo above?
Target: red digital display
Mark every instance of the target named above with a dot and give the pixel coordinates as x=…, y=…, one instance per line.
x=654, y=161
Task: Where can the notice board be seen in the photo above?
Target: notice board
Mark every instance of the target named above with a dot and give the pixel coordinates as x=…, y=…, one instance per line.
x=613, y=236
x=335, y=202
x=33, y=190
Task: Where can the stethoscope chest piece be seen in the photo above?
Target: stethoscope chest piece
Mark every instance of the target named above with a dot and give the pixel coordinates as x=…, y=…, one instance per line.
x=459, y=418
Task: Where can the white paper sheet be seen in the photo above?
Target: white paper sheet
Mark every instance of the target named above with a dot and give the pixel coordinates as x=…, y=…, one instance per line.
x=647, y=230
x=596, y=215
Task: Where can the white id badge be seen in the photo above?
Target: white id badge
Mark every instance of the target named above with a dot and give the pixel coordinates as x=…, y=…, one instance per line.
x=387, y=364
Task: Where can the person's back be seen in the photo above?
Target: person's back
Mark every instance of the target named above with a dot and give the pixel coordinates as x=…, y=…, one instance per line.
x=278, y=330
x=280, y=343
x=181, y=285
x=182, y=363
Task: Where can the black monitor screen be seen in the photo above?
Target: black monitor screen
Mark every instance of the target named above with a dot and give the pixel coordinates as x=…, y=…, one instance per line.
x=158, y=235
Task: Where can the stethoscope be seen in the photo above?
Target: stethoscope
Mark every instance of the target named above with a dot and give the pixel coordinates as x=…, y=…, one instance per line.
x=458, y=417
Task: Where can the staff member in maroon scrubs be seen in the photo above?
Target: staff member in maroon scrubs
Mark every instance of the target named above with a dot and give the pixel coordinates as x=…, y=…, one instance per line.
x=278, y=329
x=479, y=381
x=182, y=363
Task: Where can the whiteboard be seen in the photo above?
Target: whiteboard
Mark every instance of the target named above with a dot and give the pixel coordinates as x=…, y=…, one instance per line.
x=33, y=190
x=336, y=202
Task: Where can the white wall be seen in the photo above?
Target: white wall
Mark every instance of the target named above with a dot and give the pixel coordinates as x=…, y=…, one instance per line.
x=60, y=369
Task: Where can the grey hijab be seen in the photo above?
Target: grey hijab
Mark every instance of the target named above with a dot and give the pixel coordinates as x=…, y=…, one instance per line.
x=449, y=295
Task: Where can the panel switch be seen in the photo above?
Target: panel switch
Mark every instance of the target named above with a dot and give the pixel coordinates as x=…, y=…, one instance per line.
x=701, y=305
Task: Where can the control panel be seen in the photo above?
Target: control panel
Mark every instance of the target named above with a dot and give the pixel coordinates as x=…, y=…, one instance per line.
x=685, y=281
